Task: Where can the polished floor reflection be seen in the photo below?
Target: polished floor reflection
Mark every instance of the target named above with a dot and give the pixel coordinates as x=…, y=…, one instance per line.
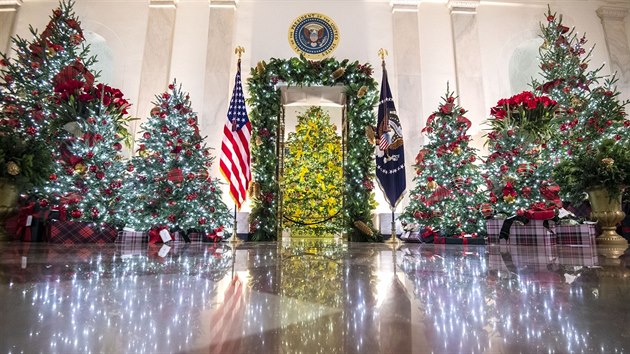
x=312, y=297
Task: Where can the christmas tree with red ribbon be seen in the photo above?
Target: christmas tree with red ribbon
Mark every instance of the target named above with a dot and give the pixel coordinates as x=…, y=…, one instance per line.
x=447, y=195
x=169, y=185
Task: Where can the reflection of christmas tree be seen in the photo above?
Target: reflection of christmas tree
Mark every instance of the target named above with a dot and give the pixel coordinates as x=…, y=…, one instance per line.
x=313, y=176
x=519, y=164
x=587, y=111
x=170, y=185
x=446, y=194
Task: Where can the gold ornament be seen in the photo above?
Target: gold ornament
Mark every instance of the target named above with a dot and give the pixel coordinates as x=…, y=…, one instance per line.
x=362, y=91
x=258, y=140
x=457, y=150
x=371, y=135
x=608, y=162
x=509, y=199
x=13, y=169
x=254, y=190
x=143, y=153
x=432, y=185
x=260, y=67
x=80, y=168
x=338, y=73
x=363, y=227
x=545, y=45
x=576, y=101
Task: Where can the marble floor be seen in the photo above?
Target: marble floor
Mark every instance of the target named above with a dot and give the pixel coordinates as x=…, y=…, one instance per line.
x=312, y=297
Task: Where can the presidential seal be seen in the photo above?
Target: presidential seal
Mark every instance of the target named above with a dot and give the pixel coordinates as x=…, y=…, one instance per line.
x=313, y=35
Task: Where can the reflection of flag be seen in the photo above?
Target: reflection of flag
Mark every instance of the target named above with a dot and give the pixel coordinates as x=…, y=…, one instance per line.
x=390, y=157
x=227, y=320
x=235, y=160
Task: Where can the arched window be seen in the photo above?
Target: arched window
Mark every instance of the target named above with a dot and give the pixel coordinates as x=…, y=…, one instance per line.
x=523, y=65
x=104, y=56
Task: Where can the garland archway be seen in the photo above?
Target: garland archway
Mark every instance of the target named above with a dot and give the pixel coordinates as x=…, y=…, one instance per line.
x=266, y=108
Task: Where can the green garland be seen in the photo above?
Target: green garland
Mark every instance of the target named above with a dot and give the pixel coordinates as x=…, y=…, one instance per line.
x=265, y=105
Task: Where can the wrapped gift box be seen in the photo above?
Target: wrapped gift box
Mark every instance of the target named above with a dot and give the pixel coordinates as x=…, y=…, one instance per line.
x=73, y=232
x=582, y=234
x=577, y=256
x=535, y=233
x=130, y=237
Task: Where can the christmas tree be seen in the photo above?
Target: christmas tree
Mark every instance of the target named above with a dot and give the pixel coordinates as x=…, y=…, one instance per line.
x=28, y=77
x=447, y=195
x=520, y=163
x=313, y=177
x=169, y=185
x=589, y=110
x=27, y=123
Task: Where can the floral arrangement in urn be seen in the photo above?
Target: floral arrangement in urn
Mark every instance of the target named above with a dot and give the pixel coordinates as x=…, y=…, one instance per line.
x=606, y=166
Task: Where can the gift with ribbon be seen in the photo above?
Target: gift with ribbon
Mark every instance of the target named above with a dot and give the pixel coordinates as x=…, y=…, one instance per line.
x=540, y=211
x=159, y=234
x=521, y=230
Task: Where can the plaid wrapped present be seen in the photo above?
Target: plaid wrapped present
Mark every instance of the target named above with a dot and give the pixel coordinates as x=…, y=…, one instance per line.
x=196, y=237
x=72, y=232
x=577, y=256
x=515, y=257
x=582, y=234
x=132, y=236
x=535, y=233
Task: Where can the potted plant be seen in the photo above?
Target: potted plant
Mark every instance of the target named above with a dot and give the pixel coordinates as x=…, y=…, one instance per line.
x=602, y=171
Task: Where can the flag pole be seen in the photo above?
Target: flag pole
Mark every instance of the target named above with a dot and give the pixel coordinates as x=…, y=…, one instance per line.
x=393, y=240
x=234, y=239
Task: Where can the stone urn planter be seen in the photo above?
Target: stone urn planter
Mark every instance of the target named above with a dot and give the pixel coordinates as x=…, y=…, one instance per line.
x=607, y=212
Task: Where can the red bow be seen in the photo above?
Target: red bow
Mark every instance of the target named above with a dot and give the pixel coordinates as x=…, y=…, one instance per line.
x=154, y=234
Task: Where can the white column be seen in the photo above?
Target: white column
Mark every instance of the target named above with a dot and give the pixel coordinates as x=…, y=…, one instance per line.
x=613, y=21
x=156, y=60
x=220, y=63
x=468, y=64
x=8, y=13
x=406, y=55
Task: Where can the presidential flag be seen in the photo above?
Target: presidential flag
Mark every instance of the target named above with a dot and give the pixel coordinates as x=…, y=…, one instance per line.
x=235, y=157
x=390, y=155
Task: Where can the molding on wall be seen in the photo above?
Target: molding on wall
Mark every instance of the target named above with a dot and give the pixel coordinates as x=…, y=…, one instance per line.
x=463, y=6
x=612, y=13
x=10, y=5
x=163, y=3
x=404, y=6
x=223, y=3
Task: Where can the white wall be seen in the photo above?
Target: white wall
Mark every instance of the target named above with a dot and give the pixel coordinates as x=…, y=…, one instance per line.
x=364, y=25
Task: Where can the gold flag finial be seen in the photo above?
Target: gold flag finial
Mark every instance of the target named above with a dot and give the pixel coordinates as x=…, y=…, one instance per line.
x=382, y=53
x=239, y=51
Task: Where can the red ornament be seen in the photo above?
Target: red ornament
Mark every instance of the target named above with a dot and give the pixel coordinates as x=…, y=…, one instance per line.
x=43, y=203
x=202, y=221
x=146, y=135
x=76, y=213
x=504, y=168
x=175, y=175
x=487, y=209
x=52, y=177
x=171, y=218
x=190, y=176
x=117, y=146
x=550, y=18
x=211, y=209
x=430, y=179
x=100, y=175
x=130, y=168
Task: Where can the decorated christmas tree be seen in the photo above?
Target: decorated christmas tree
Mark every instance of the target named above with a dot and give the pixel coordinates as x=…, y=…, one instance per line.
x=447, y=195
x=28, y=125
x=520, y=163
x=169, y=185
x=313, y=177
x=589, y=109
x=28, y=75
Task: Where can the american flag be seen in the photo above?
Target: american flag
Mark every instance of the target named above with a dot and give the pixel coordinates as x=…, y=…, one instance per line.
x=235, y=159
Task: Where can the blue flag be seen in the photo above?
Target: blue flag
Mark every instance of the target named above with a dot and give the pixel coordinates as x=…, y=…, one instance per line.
x=390, y=154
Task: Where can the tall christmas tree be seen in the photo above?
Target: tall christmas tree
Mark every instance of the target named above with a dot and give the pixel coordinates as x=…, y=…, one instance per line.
x=520, y=163
x=28, y=75
x=589, y=109
x=313, y=177
x=447, y=195
x=27, y=124
x=169, y=185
